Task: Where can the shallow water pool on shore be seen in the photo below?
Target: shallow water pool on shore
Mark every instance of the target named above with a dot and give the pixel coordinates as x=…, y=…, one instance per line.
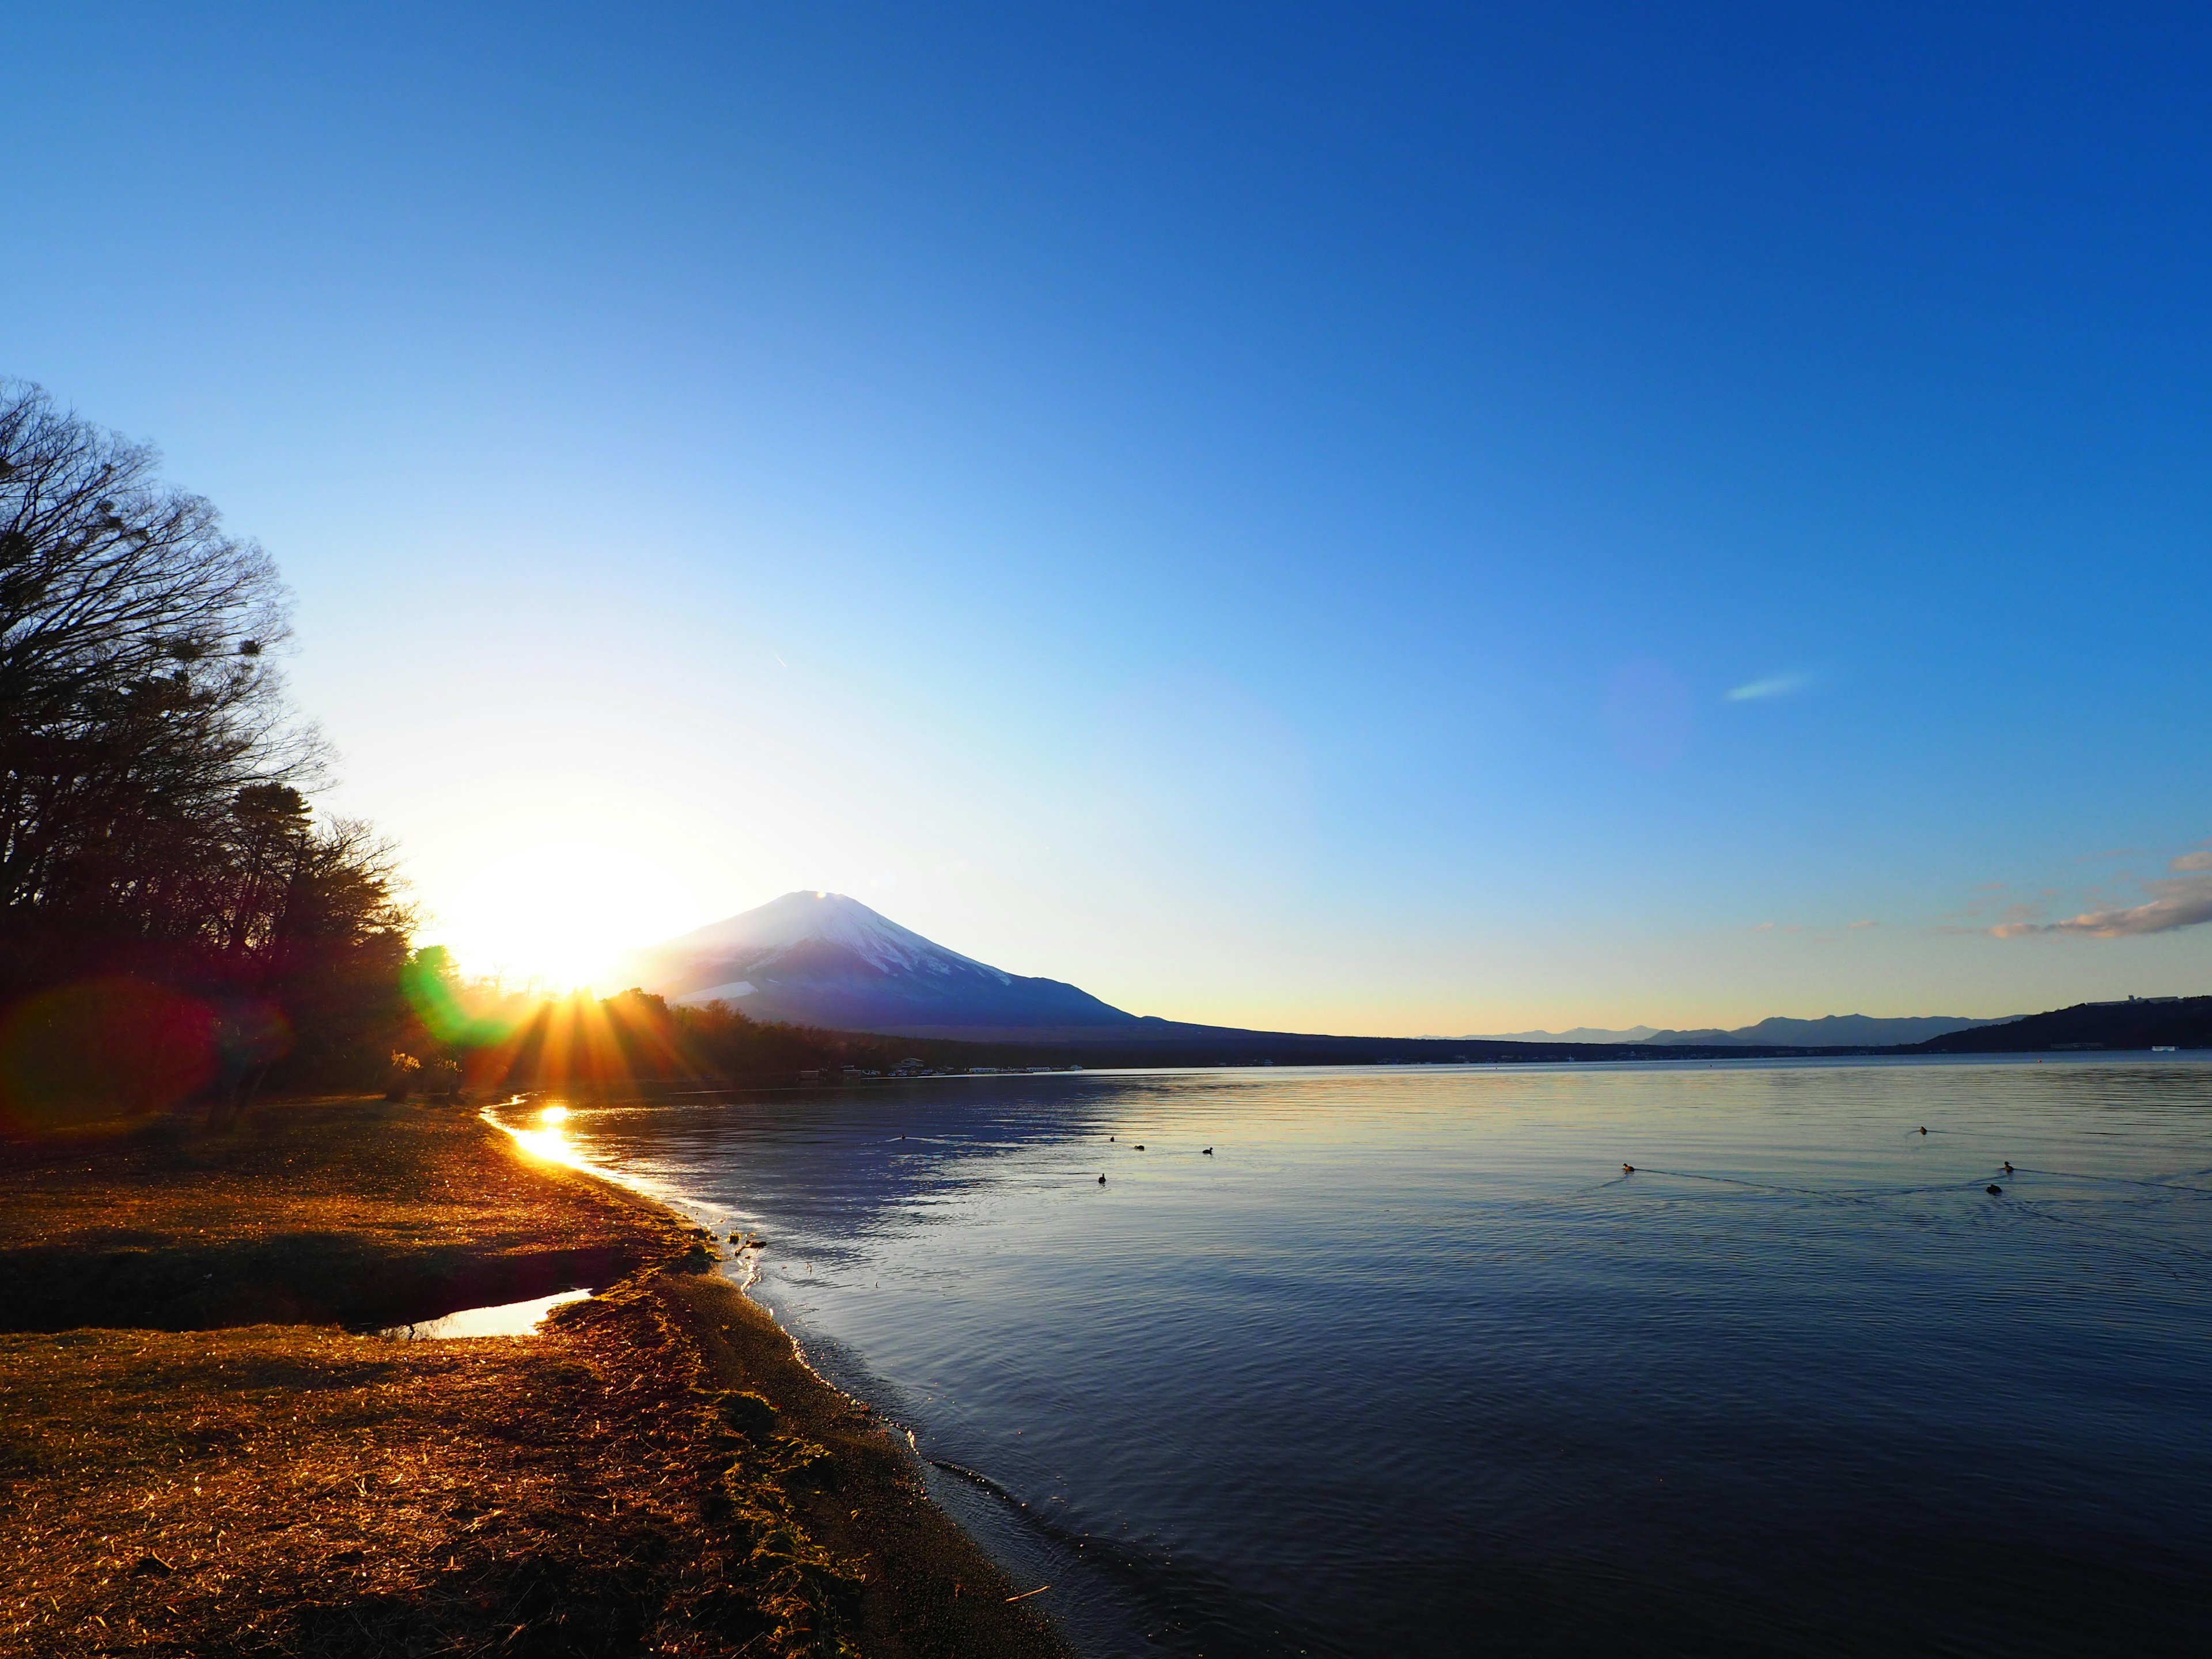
x=507, y=1319
x=1409, y=1364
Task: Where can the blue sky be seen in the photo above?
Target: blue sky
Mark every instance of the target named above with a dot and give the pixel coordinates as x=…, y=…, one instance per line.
x=1257, y=511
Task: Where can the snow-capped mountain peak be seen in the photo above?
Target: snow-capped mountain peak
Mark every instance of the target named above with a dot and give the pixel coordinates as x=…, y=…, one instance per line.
x=831, y=919
x=826, y=959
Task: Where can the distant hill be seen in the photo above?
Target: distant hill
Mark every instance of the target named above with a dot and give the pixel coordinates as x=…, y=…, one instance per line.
x=2138, y=1022
x=827, y=960
x=1579, y=1034
x=1830, y=1031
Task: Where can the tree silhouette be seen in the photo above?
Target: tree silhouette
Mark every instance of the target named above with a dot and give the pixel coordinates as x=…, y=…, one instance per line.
x=153, y=819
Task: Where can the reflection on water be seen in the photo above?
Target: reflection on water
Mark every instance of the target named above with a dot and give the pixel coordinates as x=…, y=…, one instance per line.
x=545, y=1134
x=1409, y=1364
x=508, y=1319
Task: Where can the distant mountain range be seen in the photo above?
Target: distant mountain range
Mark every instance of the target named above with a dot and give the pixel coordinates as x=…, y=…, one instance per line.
x=1577, y=1034
x=824, y=959
x=1829, y=1031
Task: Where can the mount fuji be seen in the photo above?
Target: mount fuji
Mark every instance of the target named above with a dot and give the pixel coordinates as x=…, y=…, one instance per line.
x=826, y=959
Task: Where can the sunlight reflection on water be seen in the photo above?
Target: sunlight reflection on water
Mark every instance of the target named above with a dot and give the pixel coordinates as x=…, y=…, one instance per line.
x=550, y=1140
x=508, y=1319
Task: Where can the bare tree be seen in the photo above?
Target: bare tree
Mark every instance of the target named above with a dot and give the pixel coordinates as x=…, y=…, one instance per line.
x=138, y=692
x=155, y=837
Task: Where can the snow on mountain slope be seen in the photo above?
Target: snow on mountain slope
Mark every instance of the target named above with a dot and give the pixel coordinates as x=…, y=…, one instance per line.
x=830, y=919
x=826, y=959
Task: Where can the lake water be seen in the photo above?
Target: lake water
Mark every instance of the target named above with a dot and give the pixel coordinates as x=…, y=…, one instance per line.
x=1408, y=1365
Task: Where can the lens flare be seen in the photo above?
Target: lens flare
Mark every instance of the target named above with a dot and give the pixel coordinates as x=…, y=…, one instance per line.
x=111, y=1048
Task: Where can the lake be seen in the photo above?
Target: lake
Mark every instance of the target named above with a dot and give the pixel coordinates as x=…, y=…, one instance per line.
x=1409, y=1364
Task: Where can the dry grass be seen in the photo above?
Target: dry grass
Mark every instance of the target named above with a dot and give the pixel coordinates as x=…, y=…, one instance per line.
x=274, y=1489
x=352, y=1211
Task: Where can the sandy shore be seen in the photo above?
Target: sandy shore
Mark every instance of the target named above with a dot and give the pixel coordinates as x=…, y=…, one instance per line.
x=200, y=1457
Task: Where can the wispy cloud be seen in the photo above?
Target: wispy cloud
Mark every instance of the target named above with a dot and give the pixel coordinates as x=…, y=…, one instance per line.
x=1864, y=921
x=2183, y=902
x=1778, y=685
x=2194, y=861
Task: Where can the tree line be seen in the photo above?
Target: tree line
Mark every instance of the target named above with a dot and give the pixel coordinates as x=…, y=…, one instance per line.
x=175, y=916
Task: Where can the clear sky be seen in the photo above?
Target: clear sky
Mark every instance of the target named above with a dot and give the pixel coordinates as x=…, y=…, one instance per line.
x=1364, y=518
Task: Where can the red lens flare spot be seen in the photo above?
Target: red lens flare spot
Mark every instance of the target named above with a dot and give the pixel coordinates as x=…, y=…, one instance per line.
x=100, y=1049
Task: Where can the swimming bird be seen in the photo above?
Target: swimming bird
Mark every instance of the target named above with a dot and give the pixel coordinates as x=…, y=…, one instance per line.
x=1102, y=1181
x=1110, y=1137
x=1923, y=1129
x=2008, y=1170
x=1140, y=1146
x=1206, y=1152
x=1994, y=1191
x=1628, y=1168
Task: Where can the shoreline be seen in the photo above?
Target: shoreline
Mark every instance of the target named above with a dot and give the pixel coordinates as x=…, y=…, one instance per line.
x=204, y=1453
x=756, y=1350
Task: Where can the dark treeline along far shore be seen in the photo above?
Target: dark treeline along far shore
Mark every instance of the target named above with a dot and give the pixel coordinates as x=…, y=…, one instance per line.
x=2150, y=1025
x=2140, y=1023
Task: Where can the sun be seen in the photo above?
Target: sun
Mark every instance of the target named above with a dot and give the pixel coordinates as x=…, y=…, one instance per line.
x=565, y=964
x=558, y=877
x=560, y=913
x=521, y=949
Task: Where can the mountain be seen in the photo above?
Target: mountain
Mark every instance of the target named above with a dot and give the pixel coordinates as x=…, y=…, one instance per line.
x=2137, y=1023
x=826, y=959
x=1579, y=1034
x=1830, y=1031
